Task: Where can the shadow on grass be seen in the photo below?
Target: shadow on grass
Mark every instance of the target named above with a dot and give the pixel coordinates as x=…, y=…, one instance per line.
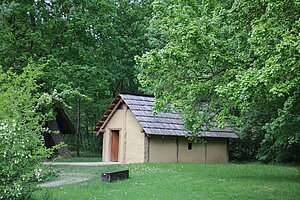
x=267, y=178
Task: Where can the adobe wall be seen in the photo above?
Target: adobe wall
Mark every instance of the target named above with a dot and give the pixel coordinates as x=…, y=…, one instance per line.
x=131, y=137
x=162, y=149
x=195, y=155
x=135, y=140
x=115, y=123
x=216, y=150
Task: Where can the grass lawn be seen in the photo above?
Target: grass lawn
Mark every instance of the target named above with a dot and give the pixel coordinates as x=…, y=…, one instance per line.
x=85, y=156
x=182, y=181
x=78, y=159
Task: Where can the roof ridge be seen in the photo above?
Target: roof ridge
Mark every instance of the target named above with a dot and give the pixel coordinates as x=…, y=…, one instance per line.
x=137, y=94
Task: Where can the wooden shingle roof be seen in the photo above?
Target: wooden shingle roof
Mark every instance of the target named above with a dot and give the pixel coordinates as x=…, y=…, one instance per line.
x=164, y=124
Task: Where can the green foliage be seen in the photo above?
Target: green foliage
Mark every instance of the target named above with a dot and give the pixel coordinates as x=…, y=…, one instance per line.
x=231, y=61
x=21, y=143
x=47, y=102
x=89, y=47
x=185, y=70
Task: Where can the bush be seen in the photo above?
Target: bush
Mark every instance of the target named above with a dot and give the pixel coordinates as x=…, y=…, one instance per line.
x=21, y=142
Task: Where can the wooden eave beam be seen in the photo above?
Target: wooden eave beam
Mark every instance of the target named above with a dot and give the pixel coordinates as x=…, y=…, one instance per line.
x=109, y=116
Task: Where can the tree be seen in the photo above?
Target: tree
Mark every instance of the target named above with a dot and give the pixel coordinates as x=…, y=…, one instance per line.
x=17, y=34
x=88, y=47
x=234, y=61
x=21, y=142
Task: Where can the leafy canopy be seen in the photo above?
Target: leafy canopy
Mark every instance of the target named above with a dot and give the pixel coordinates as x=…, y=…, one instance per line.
x=227, y=60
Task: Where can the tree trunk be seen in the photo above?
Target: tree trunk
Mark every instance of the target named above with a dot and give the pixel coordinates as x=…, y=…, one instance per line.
x=88, y=135
x=78, y=127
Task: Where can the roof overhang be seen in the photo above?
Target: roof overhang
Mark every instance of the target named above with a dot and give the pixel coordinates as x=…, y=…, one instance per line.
x=107, y=115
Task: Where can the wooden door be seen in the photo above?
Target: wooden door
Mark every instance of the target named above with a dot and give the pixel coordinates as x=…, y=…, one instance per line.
x=114, y=145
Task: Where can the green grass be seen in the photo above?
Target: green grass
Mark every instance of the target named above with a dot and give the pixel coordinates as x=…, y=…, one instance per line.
x=85, y=156
x=183, y=181
x=78, y=159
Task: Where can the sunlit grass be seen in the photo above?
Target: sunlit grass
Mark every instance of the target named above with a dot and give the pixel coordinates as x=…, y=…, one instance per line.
x=182, y=181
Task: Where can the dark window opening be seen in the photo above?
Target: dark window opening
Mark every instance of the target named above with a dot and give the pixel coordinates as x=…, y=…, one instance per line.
x=190, y=146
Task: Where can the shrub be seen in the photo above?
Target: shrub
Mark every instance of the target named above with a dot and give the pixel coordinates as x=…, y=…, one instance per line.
x=21, y=142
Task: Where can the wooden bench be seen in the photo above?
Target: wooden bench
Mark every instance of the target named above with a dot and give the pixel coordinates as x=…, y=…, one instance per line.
x=115, y=175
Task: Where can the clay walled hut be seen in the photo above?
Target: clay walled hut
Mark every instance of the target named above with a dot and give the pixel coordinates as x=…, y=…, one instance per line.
x=132, y=134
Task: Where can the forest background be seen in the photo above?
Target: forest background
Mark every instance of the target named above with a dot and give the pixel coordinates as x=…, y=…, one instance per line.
x=238, y=58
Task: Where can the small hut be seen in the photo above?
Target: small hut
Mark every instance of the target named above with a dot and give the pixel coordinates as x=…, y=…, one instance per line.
x=132, y=134
x=61, y=126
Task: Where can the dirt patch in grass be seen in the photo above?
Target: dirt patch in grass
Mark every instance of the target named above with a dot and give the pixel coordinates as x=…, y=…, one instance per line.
x=66, y=179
